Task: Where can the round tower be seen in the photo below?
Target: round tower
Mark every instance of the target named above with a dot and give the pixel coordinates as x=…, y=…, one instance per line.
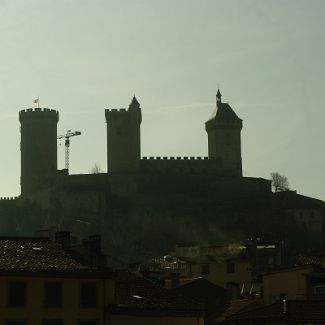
x=38, y=149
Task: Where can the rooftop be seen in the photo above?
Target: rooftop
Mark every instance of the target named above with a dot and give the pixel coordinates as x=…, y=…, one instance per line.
x=291, y=311
x=37, y=254
x=224, y=113
x=138, y=293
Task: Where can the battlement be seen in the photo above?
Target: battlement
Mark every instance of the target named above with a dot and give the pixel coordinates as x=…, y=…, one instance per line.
x=115, y=113
x=114, y=110
x=180, y=165
x=177, y=158
x=9, y=198
x=38, y=112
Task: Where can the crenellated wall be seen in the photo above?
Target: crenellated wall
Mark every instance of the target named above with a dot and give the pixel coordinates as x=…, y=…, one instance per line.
x=8, y=198
x=43, y=113
x=204, y=165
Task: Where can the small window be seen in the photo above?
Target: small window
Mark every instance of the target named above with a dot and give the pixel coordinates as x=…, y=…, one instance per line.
x=283, y=296
x=16, y=294
x=205, y=269
x=231, y=268
x=53, y=294
x=52, y=322
x=88, y=322
x=88, y=294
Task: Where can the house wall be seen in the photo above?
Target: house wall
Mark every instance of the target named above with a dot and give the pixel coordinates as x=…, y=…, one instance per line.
x=70, y=312
x=149, y=320
x=290, y=282
x=219, y=274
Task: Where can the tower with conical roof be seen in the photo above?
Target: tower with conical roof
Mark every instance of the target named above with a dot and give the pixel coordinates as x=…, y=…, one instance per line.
x=224, y=142
x=123, y=138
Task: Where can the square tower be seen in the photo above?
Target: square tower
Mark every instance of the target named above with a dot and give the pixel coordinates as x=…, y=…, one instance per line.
x=123, y=139
x=224, y=141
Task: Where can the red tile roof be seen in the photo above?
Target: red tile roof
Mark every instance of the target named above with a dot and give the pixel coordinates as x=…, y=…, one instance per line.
x=134, y=292
x=295, y=311
x=238, y=305
x=37, y=254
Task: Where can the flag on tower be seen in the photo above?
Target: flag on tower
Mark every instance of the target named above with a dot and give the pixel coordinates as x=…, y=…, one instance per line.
x=36, y=100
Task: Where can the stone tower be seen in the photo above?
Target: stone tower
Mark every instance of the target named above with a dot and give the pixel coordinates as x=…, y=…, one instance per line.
x=224, y=142
x=38, y=149
x=123, y=138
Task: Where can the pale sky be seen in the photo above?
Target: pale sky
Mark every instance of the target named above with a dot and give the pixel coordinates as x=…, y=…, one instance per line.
x=81, y=57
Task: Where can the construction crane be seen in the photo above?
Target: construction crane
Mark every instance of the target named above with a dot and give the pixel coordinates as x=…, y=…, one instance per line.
x=67, y=137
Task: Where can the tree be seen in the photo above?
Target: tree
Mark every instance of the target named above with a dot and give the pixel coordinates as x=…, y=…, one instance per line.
x=279, y=182
x=96, y=169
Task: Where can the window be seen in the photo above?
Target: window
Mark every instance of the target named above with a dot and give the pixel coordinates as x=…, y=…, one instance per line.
x=16, y=294
x=283, y=296
x=88, y=322
x=205, y=269
x=53, y=294
x=88, y=294
x=16, y=322
x=231, y=268
x=232, y=290
x=52, y=322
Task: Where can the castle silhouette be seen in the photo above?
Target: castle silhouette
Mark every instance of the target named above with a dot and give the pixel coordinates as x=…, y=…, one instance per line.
x=144, y=205
x=127, y=172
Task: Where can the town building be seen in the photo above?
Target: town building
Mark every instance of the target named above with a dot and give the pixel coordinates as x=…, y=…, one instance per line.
x=280, y=313
x=42, y=283
x=45, y=282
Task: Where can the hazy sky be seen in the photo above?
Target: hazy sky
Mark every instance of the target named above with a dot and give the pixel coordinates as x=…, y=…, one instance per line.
x=81, y=57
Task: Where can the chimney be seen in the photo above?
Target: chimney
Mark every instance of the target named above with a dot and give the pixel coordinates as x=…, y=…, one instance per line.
x=284, y=311
x=63, y=238
x=93, y=248
x=95, y=244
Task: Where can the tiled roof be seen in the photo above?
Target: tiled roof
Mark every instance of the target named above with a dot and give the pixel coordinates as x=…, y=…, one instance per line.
x=236, y=306
x=307, y=260
x=202, y=290
x=295, y=311
x=139, y=293
x=36, y=254
x=223, y=112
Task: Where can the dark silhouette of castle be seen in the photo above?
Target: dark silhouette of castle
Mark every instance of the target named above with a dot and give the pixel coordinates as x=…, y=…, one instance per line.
x=127, y=173
x=142, y=205
x=125, y=167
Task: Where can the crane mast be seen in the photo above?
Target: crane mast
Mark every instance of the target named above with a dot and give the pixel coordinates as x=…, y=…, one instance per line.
x=67, y=137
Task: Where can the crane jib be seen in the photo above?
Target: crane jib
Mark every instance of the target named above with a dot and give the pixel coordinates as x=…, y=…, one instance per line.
x=67, y=137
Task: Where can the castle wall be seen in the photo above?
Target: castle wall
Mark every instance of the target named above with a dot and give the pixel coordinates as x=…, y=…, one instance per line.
x=180, y=165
